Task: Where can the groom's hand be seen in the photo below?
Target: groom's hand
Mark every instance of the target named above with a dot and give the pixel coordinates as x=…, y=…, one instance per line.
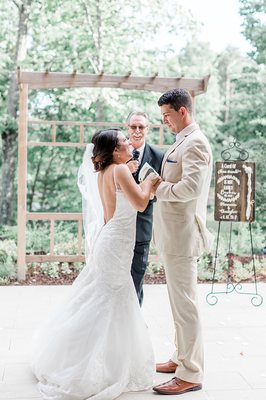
x=133, y=166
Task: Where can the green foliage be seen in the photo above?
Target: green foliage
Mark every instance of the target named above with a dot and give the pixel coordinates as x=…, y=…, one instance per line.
x=104, y=35
x=240, y=238
x=153, y=267
x=254, y=25
x=51, y=269
x=37, y=238
x=65, y=268
x=240, y=248
x=66, y=238
x=206, y=268
x=108, y=35
x=257, y=151
x=78, y=266
x=247, y=119
x=242, y=271
x=52, y=179
x=8, y=233
x=197, y=59
x=8, y=257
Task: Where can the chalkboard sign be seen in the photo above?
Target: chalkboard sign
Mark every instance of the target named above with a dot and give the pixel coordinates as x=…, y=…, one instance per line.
x=234, y=191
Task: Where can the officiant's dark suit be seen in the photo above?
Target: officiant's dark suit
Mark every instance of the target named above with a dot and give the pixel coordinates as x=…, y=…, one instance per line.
x=138, y=126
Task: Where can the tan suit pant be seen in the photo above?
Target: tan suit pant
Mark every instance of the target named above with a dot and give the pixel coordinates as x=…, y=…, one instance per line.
x=181, y=277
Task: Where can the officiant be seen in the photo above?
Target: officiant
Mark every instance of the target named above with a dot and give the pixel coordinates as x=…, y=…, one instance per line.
x=138, y=127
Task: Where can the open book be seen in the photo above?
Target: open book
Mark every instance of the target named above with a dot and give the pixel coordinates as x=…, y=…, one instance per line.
x=145, y=171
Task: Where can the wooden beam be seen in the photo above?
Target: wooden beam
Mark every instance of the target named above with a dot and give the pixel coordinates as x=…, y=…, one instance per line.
x=22, y=180
x=56, y=144
x=74, y=123
x=42, y=80
x=43, y=216
x=67, y=258
x=52, y=257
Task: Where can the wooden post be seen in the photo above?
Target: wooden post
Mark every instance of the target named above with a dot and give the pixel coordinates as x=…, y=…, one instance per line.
x=53, y=133
x=52, y=237
x=79, y=236
x=22, y=180
x=161, y=135
x=194, y=104
x=81, y=134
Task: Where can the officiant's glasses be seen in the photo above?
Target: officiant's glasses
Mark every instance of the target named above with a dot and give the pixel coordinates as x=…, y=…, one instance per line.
x=135, y=127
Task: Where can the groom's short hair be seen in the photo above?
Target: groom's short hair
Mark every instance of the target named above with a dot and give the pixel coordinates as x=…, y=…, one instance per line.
x=177, y=98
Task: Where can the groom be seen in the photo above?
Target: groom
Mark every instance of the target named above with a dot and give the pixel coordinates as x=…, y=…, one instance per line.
x=138, y=127
x=181, y=236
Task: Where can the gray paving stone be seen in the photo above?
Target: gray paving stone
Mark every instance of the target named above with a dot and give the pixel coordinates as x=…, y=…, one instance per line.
x=234, y=338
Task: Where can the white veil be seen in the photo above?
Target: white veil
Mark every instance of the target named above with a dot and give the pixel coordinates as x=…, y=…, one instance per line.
x=93, y=218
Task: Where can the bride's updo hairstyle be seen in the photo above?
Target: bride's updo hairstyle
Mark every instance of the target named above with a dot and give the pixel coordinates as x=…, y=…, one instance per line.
x=105, y=141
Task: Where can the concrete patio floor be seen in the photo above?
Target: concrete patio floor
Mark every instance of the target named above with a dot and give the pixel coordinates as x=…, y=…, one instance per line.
x=234, y=337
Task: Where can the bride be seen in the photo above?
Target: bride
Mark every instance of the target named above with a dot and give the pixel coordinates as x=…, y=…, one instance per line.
x=97, y=346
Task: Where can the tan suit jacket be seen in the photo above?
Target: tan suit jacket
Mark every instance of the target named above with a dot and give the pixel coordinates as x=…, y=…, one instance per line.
x=180, y=211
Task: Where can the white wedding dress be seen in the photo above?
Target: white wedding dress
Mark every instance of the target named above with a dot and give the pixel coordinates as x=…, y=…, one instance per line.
x=97, y=345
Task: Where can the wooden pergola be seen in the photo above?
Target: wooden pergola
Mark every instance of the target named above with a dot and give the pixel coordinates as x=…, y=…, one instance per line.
x=47, y=80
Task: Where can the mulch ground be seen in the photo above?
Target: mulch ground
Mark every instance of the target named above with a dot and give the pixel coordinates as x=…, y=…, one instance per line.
x=36, y=277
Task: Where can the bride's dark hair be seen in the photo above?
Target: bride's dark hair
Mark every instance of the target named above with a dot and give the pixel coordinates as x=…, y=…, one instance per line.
x=105, y=141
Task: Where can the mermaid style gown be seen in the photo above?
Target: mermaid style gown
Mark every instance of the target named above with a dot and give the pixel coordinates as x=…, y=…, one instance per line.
x=97, y=345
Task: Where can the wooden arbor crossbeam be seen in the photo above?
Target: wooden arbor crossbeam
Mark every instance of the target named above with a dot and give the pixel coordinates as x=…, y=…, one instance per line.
x=46, y=80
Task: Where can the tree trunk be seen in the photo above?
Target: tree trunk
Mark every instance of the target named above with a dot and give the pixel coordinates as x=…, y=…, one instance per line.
x=36, y=177
x=9, y=144
x=9, y=133
x=227, y=94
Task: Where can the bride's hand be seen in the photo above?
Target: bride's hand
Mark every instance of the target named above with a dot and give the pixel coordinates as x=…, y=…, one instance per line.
x=156, y=180
x=153, y=181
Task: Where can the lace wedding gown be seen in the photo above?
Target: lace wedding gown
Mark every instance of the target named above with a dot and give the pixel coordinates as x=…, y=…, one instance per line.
x=97, y=345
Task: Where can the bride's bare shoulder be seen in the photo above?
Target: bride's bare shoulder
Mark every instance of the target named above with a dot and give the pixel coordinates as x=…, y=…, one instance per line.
x=121, y=170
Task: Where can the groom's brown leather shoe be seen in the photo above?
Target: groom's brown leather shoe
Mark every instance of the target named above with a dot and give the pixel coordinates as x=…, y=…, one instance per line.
x=167, y=367
x=177, y=386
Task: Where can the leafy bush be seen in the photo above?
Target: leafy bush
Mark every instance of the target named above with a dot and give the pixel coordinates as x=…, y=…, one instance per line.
x=153, y=267
x=65, y=268
x=242, y=271
x=37, y=238
x=206, y=267
x=78, y=266
x=8, y=258
x=51, y=269
x=8, y=232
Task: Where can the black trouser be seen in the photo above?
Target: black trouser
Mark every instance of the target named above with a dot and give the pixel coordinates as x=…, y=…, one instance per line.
x=138, y=267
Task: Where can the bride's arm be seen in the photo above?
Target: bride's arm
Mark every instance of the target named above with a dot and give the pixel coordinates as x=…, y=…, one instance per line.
x=138, y=196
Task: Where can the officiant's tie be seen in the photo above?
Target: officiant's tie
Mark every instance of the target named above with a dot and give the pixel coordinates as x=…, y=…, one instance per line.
x=136, y=154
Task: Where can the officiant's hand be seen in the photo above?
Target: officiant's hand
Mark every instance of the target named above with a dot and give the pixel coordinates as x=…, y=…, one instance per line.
x=133, y=166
